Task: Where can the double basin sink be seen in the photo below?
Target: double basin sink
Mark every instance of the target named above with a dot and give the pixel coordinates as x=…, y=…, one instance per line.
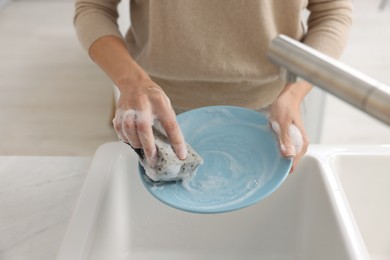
x=335, y=206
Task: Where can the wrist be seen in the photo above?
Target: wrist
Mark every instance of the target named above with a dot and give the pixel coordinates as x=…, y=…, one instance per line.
x=297, y=90
x=131, y=75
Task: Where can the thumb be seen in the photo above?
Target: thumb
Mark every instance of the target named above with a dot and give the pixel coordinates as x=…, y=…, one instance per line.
x=286, y=145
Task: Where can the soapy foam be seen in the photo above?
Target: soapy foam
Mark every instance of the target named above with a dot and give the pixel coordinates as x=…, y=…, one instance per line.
x=121, y=116
x=252, y=185
x=294, y=134
x=137, y=116
x=296, y=137
x=249, y=187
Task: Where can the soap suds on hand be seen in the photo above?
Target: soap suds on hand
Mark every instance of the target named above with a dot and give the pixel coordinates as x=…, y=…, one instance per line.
x=137, y=116
x=121, y=116
x=296, y=137
x=294, y=134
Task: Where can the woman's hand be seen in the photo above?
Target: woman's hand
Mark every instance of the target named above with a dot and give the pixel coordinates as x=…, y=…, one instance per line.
x=141, y=100
x=286, y=121
x=140, y=103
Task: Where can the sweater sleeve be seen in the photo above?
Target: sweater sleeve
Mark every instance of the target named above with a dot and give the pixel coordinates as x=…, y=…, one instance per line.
x=94, y=19
x=328, y=25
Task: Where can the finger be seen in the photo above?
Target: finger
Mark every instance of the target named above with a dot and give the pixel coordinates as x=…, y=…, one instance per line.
x=146, y=137
x=301, y=141
x=296, y=138
x=175, y=136
x=304, y=137
x=129, y=128
x=286, y=146
x=296, y=161
x=117, y=122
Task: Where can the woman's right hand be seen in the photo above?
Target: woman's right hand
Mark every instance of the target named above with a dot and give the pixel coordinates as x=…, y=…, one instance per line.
x=141, y=100
x=140, y=103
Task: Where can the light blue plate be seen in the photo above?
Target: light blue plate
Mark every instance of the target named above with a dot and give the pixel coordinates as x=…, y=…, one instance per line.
x=242, y=162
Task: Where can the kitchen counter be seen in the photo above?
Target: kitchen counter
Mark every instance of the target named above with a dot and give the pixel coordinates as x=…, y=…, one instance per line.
x=37, y=198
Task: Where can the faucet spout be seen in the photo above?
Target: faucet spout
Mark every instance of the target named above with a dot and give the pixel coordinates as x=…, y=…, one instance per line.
x=346, y=83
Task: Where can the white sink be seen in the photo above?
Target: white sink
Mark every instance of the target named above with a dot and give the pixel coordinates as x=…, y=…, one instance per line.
x=116, y=218
x=365, y=178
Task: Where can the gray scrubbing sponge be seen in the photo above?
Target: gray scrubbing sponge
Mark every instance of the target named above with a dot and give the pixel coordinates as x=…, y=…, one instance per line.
x=169, y=167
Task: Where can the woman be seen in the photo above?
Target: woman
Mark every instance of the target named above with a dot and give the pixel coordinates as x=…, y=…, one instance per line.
x=201, y=53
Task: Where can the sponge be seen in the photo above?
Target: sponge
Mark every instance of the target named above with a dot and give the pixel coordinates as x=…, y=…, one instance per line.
x=169, y=167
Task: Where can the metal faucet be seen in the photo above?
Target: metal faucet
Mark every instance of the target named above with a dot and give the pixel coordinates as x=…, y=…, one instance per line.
x=346, y=83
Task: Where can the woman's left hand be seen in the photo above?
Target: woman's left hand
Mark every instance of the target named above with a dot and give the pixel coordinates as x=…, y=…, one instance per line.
x=286, y=121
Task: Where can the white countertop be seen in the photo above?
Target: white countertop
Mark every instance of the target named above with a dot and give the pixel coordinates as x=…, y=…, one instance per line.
x=37, y=198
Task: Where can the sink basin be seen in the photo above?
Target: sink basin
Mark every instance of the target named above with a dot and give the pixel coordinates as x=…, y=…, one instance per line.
x=116, y=218
x=365, y=179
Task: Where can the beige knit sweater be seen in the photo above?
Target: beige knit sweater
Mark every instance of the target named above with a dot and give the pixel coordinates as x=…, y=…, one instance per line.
x=213, y=52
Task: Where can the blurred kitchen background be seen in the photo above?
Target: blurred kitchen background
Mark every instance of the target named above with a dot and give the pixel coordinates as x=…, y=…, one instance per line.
x=55, y=101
